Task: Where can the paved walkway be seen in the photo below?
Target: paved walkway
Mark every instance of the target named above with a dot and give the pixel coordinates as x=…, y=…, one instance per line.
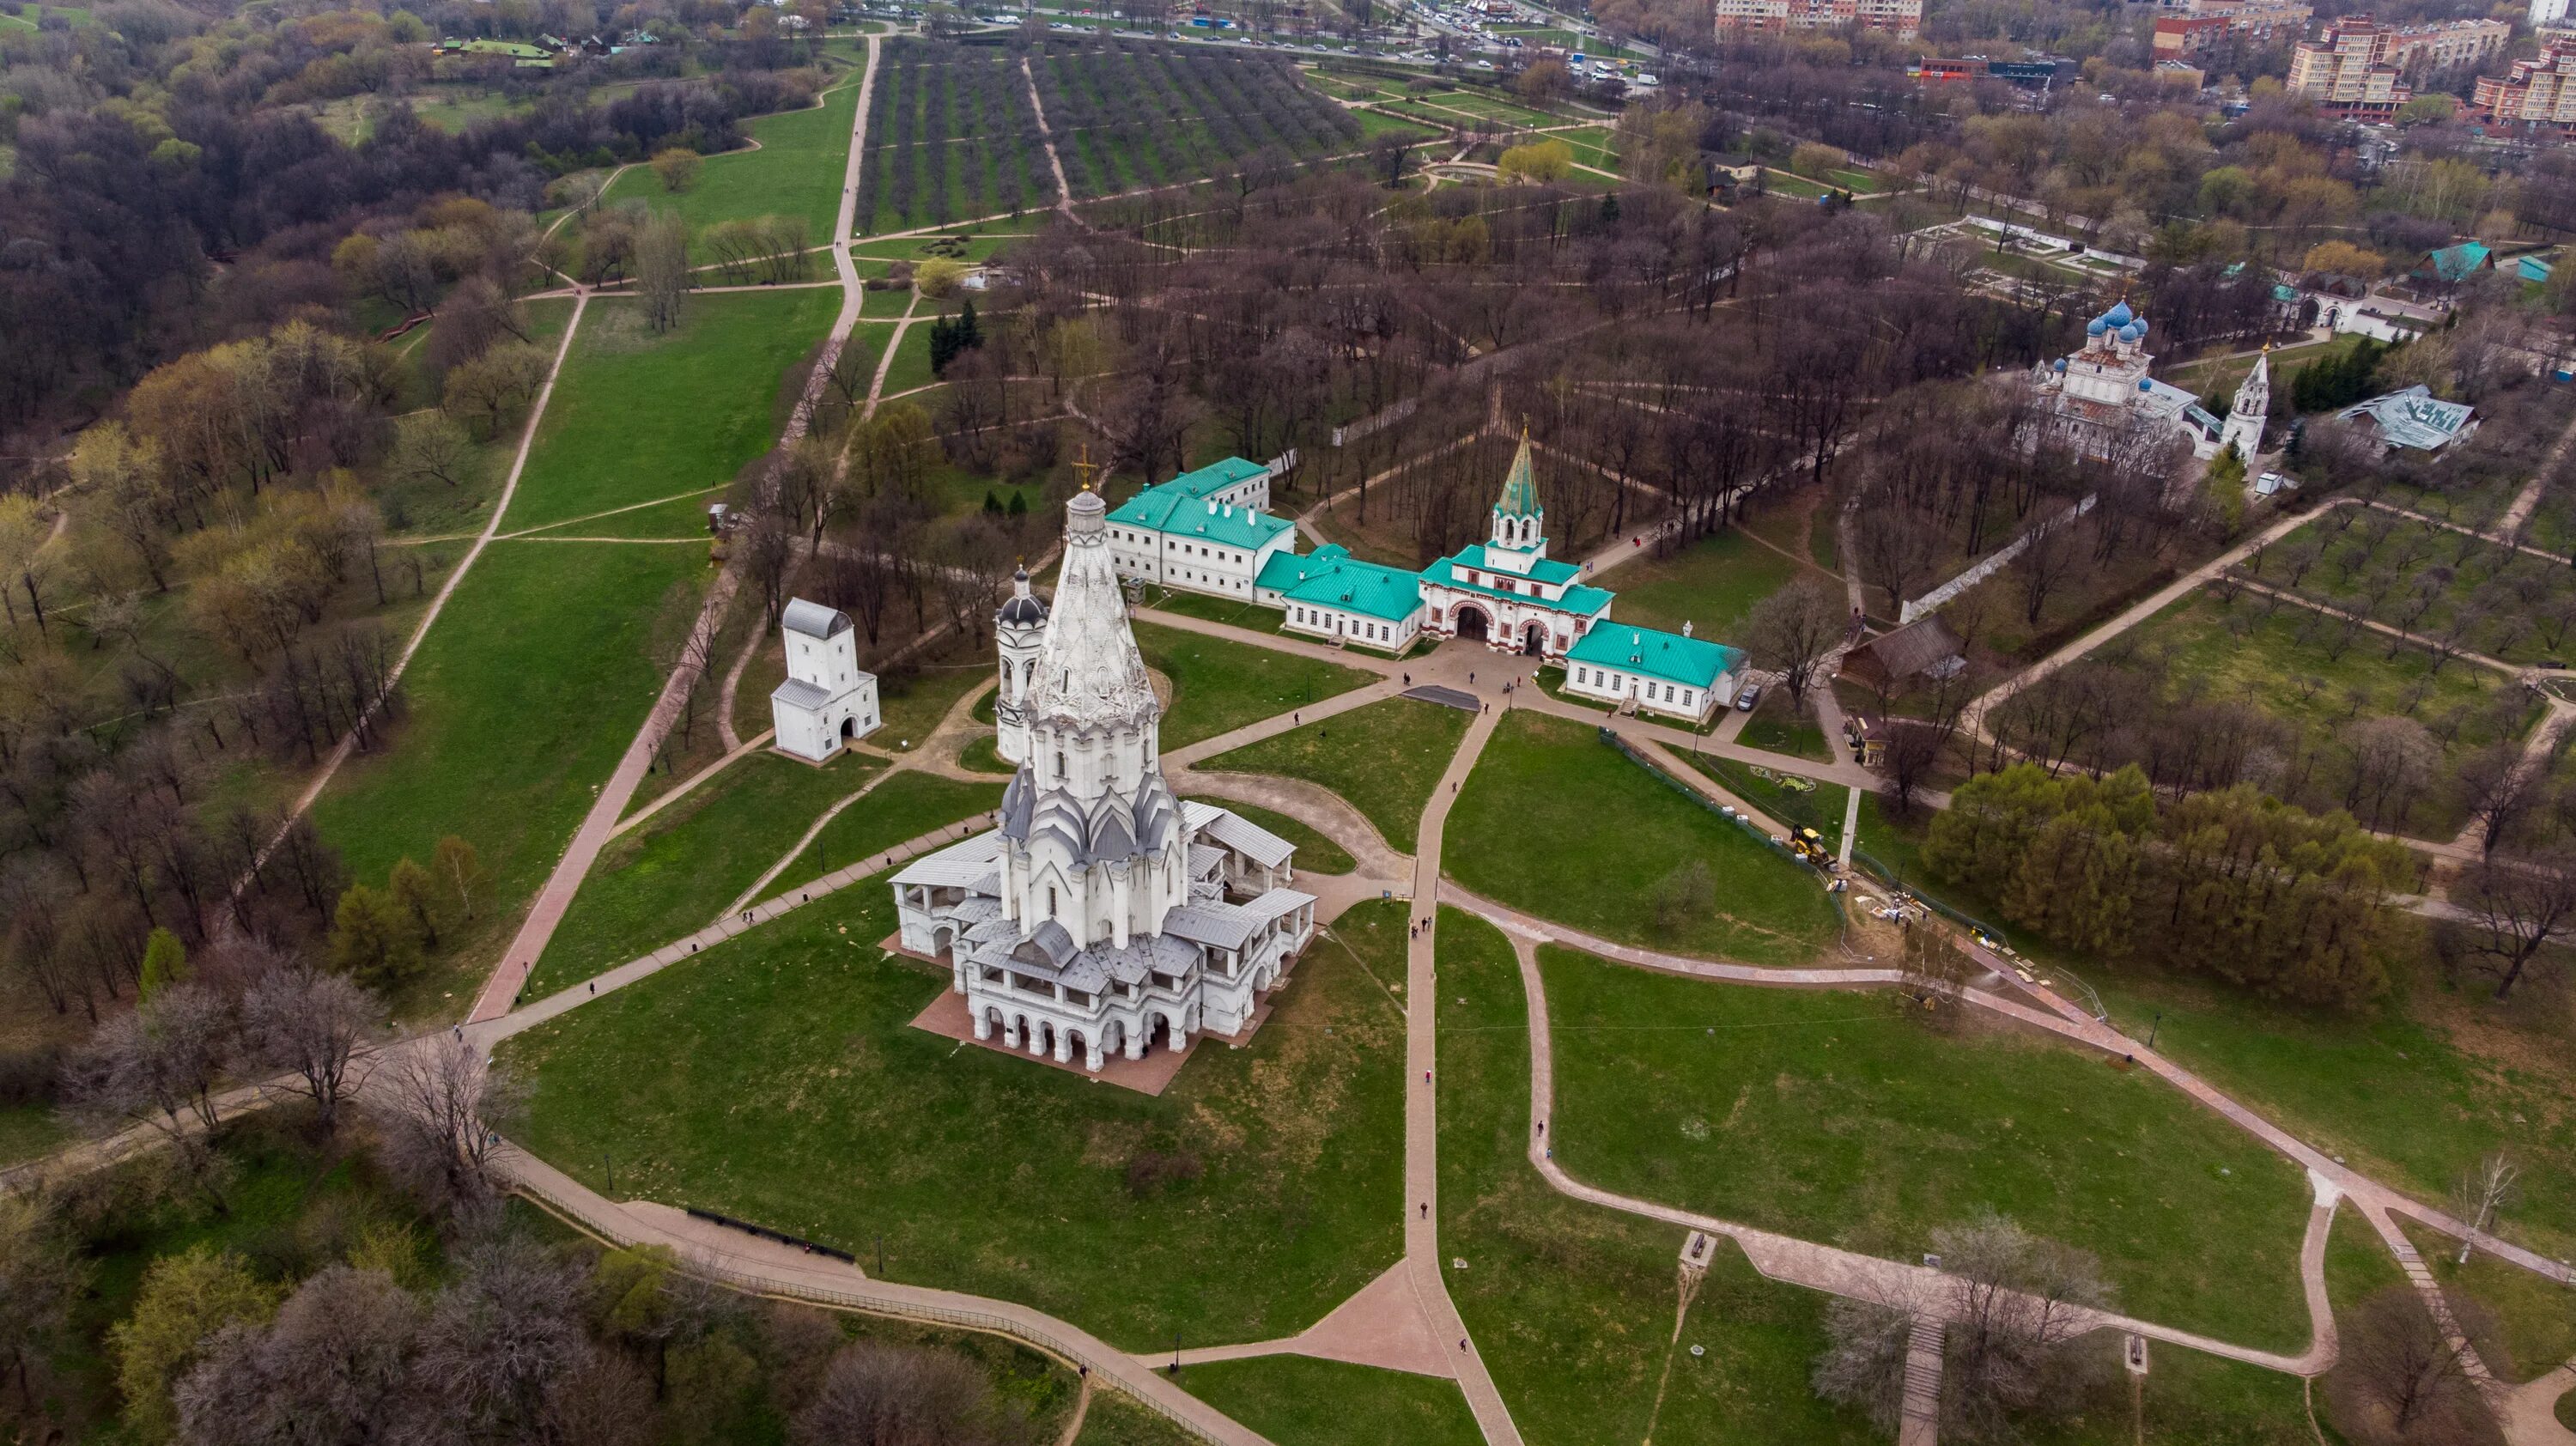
x=2510, y=524
x=1422, y=1258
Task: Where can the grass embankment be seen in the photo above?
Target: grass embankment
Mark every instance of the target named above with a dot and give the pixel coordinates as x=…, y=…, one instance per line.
x=901, y=808
x=1834, y=1116
x=796, y=172
x=1711, y=585
x=1219, y=686
x=777, y=1078
x=1331, y=1403
x=1384, y=762
x=1561, y=825
x=519, y=703
x=635, y=417
x=674, y=873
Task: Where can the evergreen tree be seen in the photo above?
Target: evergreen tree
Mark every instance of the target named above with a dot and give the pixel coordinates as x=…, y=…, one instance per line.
x=970, y=332
x=1020, y=502
x=992, y=503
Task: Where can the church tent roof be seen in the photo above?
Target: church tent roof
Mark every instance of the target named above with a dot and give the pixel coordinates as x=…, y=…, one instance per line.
x=1670, y=657
x=1520, y=485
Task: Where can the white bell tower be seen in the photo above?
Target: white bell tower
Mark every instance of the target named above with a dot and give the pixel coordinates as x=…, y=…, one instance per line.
x=2244, y=425
x=1018, y=630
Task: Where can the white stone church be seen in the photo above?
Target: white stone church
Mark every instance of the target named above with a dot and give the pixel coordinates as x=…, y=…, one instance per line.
x=2098, y=398
x=1104, y=915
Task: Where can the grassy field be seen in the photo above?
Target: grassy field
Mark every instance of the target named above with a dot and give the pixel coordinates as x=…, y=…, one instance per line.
x=2285, y=665
x=909, y=708
x=1316, y=854
x=510, y=725
x=910, y=370
x=1114, y=1420
x=796, y=172
x=2520, y=609
x=1562, y=825
x=1297, y=1399
x=1390, y=758
x=1572, y=1306
x=777, y=1078
x=1711, y=584
x=903, y=807
x=27, y=1131
x=669, y=519
x=1219, y=686
x=635, y=416
x=674, y=873
x=1833, y=1116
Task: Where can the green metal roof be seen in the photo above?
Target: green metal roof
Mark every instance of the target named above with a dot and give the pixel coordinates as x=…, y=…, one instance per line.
x=1181, y=508
x=1654, y=653
x=1546, y=569
x=1577, y=597
x=2456, y=263
x=1520, y=485
x=1330, y=577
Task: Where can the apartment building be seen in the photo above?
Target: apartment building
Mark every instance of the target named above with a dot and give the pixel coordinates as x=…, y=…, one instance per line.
x=2347, y=70
x=1899, y=17
x=2542, y=90
x=2203, y=25
x=2448, y=43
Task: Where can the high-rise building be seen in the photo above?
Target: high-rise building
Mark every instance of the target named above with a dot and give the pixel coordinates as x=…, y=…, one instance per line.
x=2347, y=70
x=2541, y=90
x=2545, y=13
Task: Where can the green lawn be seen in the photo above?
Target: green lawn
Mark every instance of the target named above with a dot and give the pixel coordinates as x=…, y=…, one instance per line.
x=1234, y=612
x=671, y=518
x=796, y=172
x=1114, y=1420
x=520, y=701
x=1560, y=824
x=1377, y=123
x=1300, y=1401
x=777, y=1078
x=984, y=755
x=1711, y=585
x=911, y=368
x=2414, y=1094
x=1390, y=758
x=27, y=1131
x=904, y=807
x=1316, y=854
x=1572, y=1306
x=909, y=708
x=2534, y=1318
x=674, y=874
x=1832, y=1116
x=1219, y=685
x=635, y=416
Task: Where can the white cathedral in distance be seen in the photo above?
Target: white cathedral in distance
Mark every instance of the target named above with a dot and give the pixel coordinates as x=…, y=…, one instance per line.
x=1104, y=915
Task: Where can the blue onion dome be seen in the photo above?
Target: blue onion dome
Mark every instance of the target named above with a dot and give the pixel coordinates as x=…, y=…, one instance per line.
x=2145, y=386
x=2061, y=363
x=2096, y=327
x=2120, y=315
x=2132, y=332
x=2141, y=325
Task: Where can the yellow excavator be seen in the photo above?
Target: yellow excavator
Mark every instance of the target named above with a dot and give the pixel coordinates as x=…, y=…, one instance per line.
x=1809, y=845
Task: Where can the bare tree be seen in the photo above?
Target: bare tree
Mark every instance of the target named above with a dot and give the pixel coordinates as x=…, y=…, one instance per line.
x=2409, y=1376
x=2498, y=792
x=1864, y=1363
x=157, y=1067
x=309, y=1025
x=2393, y=760
x=2519, y=907
x=2495, y=1183
x=41, y=1275
x=1792, y=630
x=2018, y=1303
x=501, y=1338
x=662, y=268
x=442, y=1103
x=877, y=1395
x=334, y=1366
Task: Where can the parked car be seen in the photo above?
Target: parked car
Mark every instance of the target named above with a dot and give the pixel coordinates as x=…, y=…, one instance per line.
x=1745, y=701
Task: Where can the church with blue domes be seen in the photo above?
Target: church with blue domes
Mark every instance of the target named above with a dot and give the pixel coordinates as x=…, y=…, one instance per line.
x=2099, y=400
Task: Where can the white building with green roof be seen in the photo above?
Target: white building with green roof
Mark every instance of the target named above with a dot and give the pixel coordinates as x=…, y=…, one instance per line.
x=1506, y=591
x=1332, y=595
x=1204, y=531
x=1654, y=671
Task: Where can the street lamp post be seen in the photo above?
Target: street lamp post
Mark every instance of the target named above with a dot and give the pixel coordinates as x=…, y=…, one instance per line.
x=609, y=1165
x=2154, y=1025
x=1176, y=1353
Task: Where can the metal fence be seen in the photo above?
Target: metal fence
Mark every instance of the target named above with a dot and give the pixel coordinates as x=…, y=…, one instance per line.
x=1664, y=777
x=886, y=1305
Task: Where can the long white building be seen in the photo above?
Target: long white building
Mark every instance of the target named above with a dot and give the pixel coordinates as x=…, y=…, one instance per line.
x=1103, y=914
